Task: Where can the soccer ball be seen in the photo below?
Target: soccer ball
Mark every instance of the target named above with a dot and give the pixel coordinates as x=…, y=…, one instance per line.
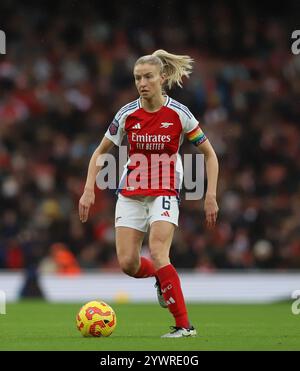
x=96, y=318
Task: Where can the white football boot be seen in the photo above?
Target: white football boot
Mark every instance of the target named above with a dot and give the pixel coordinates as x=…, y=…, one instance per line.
x=180, y=332
x=160, y=297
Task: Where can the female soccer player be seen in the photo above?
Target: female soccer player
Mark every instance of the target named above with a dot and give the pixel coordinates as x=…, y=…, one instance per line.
x=155, y=125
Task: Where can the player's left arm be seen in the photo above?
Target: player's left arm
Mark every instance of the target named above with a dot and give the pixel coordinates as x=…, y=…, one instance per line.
x=212, y=169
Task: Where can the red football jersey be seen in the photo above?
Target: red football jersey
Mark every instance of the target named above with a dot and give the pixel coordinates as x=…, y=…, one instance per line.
x=154, y=167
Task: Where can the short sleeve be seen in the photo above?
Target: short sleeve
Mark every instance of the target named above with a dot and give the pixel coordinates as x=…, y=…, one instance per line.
x=115, y=131
x=192, y=129
x=189, y=122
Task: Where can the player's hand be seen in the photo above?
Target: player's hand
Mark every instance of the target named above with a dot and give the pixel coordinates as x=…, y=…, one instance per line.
x=211, y=210
x=85, y=202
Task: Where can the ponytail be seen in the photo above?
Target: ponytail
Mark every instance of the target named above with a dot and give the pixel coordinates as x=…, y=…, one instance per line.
x=174, y=66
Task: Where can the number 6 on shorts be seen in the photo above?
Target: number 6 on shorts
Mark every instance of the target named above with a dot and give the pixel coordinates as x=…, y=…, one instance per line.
x=166, y=204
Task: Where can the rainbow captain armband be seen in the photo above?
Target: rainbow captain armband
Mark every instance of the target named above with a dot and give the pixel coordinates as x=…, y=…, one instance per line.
x=196, y=136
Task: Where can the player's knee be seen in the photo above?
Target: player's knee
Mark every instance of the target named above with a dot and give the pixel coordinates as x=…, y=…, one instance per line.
x=159, y=257
x=128, y=266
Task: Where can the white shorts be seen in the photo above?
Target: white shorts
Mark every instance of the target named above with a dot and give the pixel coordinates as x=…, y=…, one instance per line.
x=139, y=212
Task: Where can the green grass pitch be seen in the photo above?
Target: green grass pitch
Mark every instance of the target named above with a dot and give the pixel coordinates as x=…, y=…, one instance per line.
x=38, y=325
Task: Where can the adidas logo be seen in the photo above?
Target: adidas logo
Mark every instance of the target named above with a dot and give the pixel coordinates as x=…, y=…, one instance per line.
x=165, y=213
x=170, y=301
x=137, y=126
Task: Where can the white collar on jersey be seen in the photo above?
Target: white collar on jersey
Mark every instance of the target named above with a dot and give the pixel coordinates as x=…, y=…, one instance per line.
x=167, y=101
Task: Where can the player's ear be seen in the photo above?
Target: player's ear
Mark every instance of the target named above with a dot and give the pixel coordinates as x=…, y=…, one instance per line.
x=163, y=78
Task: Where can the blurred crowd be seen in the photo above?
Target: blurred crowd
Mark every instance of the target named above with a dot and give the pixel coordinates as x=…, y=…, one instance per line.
x=68, y=70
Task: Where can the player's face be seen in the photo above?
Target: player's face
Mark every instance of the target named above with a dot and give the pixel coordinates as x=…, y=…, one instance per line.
x=148, y=80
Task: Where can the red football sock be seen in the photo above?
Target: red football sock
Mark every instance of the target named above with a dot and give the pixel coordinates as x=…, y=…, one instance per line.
x=146, y=269
x=172, y=293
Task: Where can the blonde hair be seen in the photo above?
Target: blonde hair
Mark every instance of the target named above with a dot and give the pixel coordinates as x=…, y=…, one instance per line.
x=172, y=65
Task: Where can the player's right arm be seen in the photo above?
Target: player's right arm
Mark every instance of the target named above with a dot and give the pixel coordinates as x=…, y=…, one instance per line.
x=113, y=136
x=88, y=196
